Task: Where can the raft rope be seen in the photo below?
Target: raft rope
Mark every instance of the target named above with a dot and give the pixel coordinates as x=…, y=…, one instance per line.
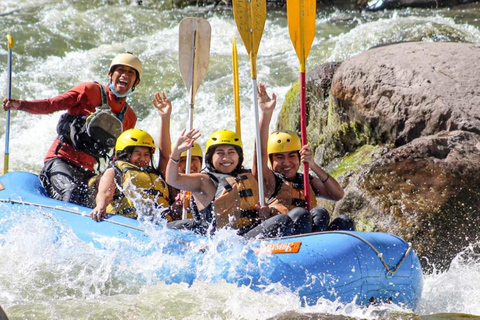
x=390, y=272
x=64, y=210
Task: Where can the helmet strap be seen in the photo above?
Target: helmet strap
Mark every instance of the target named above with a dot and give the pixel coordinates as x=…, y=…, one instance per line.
x=118, y=95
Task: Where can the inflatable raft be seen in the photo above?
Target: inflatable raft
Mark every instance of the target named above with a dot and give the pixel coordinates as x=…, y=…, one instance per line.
x=339, y=266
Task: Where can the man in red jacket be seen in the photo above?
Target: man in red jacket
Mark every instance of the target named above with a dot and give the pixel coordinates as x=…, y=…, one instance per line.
x=95, y=116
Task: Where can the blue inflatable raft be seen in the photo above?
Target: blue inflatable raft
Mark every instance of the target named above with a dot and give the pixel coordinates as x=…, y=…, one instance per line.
x=340, y=266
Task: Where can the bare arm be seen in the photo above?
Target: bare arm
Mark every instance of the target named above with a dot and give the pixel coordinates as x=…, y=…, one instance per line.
x=199, y=184
x=330, y=188
x=164, y=110
x=267, y=105
x=106, y=190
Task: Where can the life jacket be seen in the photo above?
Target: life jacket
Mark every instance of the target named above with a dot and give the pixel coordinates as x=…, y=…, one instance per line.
x=138, y=189
x=95, y=134
x=234, y=201
x=290, y=194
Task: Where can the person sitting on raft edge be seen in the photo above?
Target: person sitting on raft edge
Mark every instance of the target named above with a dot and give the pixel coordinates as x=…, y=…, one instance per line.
x=224, y=194
x=284, y=188
x=70, y=162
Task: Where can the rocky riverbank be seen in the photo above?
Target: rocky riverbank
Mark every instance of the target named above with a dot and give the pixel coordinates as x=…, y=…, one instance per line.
x=399, y=127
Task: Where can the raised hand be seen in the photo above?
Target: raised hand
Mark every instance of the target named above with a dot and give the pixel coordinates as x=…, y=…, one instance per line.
x=265, y=103
x=185, y=140
x=162, y=104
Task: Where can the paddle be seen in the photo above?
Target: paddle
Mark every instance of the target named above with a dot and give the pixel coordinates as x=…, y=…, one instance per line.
x=9, y=96
x=250, y=18
x=193, y=56
x=301, y=26
x=236, y=88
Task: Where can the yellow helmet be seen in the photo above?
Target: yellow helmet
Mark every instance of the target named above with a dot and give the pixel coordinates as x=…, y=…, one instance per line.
x=283, y=141
x=196, y=151
x=223, y=137
x=134, y=138
x=127, y=59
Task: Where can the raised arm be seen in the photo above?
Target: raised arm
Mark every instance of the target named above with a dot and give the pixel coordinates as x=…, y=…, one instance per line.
x=323, y=184
x=195, y=182
x=267, y=106
x=164, y=110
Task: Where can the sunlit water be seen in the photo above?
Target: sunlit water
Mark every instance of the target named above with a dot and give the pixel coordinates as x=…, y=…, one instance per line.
x=47, y=273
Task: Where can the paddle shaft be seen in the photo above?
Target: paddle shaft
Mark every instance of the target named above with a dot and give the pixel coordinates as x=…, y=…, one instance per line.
x=301, y=25
x=258, y=145
x=194, y=49
x=192, y=100
x=303, y=127
x=236, y=88
x=9, y=96
x=250, y=16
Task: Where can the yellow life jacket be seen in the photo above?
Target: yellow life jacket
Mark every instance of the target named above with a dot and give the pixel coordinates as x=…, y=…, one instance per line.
x=235, y=200
x=138, y=188
x=290, y=194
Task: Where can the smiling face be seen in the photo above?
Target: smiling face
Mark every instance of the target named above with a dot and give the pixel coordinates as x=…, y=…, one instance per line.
x=141, y=157
x=195, y=164
x=225, y=158
x=123, y=78
x=286, y=163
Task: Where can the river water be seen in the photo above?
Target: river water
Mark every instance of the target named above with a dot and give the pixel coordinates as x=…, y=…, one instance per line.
x=59, y=44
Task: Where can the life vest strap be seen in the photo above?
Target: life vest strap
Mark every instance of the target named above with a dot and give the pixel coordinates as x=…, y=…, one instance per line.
x=245, y=193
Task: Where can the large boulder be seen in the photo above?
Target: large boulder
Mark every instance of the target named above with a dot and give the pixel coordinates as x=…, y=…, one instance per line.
x=427, y=191
x=409, y=90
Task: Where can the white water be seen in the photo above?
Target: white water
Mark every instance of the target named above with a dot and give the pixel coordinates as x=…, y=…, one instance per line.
x=62, y=43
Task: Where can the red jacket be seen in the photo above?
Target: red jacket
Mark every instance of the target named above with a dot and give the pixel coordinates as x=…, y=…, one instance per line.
x=80, y=100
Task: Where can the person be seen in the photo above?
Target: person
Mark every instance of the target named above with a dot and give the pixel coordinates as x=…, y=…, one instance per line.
x=96, y=115
x=284, y=186
x=132, y=184
x=132, y=181
x=182, y=198
x=225, y=195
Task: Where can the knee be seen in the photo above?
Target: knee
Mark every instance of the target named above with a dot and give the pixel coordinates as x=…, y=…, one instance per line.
x=342, y=222
x=297, y=214
x=320, y=219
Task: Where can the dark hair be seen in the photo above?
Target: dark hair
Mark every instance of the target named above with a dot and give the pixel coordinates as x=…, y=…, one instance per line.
x=125, y=154
x=211, y=151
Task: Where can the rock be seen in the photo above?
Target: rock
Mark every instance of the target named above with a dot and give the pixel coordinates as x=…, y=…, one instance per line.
x=427, y=192
x=400, y=130
x=408, y=90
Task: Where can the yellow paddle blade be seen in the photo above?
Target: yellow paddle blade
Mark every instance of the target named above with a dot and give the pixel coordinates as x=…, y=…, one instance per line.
x=250, y=18
x=10, y=41
x=301, y=26
x=193, y=52
x=236, y=88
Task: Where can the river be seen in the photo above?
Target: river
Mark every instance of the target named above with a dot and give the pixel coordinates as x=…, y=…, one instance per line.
x=59, y=44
